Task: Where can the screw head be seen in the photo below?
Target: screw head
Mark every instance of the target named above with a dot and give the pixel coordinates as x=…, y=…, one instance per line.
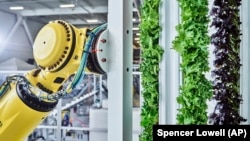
x=104, y=60
x=103, y=40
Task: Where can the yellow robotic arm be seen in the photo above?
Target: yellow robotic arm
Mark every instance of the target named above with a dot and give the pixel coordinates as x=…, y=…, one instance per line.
x=60, y=51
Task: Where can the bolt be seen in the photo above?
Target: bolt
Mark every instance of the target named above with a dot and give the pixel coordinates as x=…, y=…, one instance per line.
x=103, y=40
x=104, y=59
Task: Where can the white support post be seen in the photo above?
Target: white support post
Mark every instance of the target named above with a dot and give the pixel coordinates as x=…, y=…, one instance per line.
x=100, y=88
x=119, y=76
x=169, y=67
x=59, y=120
x=95, y=89
x=245, y=69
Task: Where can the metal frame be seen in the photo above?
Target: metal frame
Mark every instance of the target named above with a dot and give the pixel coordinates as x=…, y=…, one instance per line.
x=28, y=33
x=169, y=67
x=119, y=76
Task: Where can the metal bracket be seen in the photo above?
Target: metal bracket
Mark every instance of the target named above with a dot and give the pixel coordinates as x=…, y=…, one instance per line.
x=102, y=50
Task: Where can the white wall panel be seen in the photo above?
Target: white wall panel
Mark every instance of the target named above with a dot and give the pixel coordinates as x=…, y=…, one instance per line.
x=17, y=46
x=5, y=26
x=14, y=40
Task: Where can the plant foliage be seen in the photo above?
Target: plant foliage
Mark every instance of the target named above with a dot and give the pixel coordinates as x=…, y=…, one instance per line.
x=151, y=56
x=192, y=44
x=226, y=74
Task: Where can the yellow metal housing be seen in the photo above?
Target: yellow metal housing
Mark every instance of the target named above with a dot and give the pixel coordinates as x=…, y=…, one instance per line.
x=58, y=50
x=17, y=120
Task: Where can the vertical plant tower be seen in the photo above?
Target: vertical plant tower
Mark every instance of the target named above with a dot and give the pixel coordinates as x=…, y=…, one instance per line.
x=226, y=40
x=192, y=44
x=151, y=57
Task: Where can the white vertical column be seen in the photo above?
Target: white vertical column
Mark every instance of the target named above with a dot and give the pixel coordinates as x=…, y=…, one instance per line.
x=169, y=67
x=245, y=69
x=119, y=76
x=59, y=120
x=94, y=81
x=100, y=88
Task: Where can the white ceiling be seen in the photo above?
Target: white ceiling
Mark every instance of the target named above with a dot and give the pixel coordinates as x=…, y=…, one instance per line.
x=44, y=11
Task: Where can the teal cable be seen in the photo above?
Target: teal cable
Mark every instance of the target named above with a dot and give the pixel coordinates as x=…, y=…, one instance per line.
x=90, y=40
x=3, y=88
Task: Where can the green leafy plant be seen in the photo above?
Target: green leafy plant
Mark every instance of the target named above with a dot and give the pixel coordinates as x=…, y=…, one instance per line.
x=151, y=56
x=192, y=44
x=226, y=74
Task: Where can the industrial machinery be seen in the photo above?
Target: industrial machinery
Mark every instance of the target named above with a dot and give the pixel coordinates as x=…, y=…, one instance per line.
x=63, y=54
